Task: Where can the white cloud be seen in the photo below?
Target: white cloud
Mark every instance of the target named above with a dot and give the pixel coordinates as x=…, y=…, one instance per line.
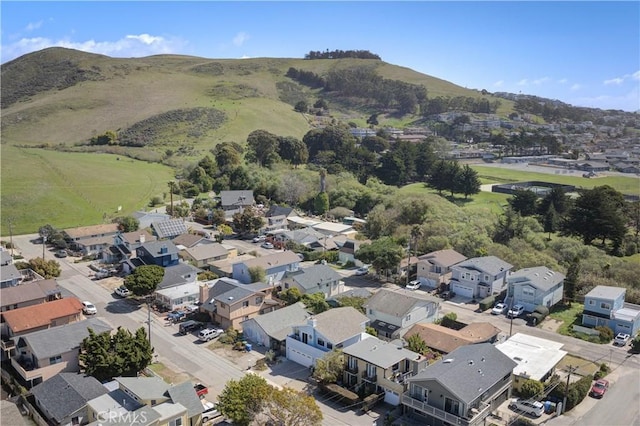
x=629, y=101
x=245, y=57
x=617, y=80
x=575, y=87
x=563, y=81
x=636, y=75
x=498, y=83
x=129, y=46
x=523, y=82
x=540, y=81
x=240, y=39
x=33, y=26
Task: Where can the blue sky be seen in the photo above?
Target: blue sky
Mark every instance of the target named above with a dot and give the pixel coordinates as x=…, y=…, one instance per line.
x=582, y=53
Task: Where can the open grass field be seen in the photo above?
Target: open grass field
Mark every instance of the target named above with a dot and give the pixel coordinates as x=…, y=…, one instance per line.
x=484, y=201
x=73, y=189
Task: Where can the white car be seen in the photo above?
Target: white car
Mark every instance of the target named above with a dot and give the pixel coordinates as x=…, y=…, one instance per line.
x=267, y=245
x=209, y=411
x=528, y=406
x=89, y=308
x=516, y=311
x=122, y=291
x=500, y=308
x=259, y=238
x=413, y=285
x=621, y=339
x=363, y=270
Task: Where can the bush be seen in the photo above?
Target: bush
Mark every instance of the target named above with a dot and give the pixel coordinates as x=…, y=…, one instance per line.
x=487, y=303
x=229, y=337
x=531, y=388
x=606, y=334
x=578, y=391
x=635, y=344
x=602, y=372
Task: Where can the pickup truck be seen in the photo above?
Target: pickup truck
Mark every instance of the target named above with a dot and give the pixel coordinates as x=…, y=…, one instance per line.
x=201, y=390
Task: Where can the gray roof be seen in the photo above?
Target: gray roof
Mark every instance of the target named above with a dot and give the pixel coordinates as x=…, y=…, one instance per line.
x=115, y=400
x=380, y=353
x=312, y=277
x=237, y=198
x=489, y=264
x=278, y=324
x=540, y=277
x=10, y=414
x=225, y=288
x=446, y=258
x=207, y=251
x=59, y=340
x=169, y=228
x=395, y=303
x=174, y=275
x=304, y=236
x=606, y=292
x=9, y=273
x=339, y=324
x=276, y=210
x=468, y=371
x=29, y=291
x=145, y=388
x=154, y=248
x=147, y=219
x=5, y=257
x=185, y=395
x=273, y=260
x=66, y=393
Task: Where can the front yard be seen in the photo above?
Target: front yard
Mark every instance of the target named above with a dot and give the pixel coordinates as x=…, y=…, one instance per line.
x=569, y=316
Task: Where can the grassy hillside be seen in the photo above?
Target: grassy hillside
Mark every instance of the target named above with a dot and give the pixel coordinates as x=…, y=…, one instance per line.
x=72, y=189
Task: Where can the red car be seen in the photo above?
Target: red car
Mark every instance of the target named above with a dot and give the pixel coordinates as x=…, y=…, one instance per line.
x=599, y=388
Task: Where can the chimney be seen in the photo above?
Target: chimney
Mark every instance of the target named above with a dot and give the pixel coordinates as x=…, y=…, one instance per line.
x=312, y=322
x=142, y=239
x=163, y=250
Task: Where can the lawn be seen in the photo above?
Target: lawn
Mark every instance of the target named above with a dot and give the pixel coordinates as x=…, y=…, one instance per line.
x=73, y=189
x=167, y=374
x=492, y=202
x=569, y=316
x=584, y=367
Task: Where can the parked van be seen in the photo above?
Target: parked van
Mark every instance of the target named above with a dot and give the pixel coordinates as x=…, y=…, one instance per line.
x=209, y=333
x=189, y=326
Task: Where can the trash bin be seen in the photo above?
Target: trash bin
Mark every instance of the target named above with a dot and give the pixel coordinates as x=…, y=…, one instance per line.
x=247, y=347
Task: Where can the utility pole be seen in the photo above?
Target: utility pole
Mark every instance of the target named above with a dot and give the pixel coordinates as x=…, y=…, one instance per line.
x=11, y=235
x=171, y=184
x=566, y=391
x=408, y=259
x=510, y=316
x=149, y=316
x=44, y=244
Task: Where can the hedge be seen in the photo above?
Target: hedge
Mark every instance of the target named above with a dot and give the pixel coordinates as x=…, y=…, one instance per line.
x=487, y=303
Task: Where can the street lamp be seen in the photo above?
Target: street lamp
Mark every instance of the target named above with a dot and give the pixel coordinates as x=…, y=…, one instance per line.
x=44, y=244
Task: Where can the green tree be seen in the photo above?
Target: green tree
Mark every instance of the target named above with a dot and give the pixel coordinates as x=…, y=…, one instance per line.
x=293, y=150
x=354, y=301
x=510, y=225
x=301, y=106
x=531, y=389
x=571, y=280
x=228, y=155
x=223, y=231
x=524, y=202
x=556, y=198
x=46, y=268
x=438, y=178
x=127, y=223
x=263, y=147
x=218, y=217
x=315, y=302
x=105, y=356
x=144, y=280
x=241, y=400
x=290, y=295
x=468, y=182
x=384, y=254
x=321, y=203
x=257, y=274
x=289, y=407
x=375, y=144
x=330, y=367
x=417, y=345
x=206, y=276
x=550, y=221
x=370, y=330
x=247, y=221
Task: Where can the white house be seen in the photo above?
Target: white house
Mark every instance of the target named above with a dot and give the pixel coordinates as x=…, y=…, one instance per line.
x=479, y=277
x=531, y=287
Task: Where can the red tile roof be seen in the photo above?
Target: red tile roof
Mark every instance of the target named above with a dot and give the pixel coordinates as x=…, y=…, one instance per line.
x=30, y=317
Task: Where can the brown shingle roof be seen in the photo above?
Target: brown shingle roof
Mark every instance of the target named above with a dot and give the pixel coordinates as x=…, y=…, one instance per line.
x=446, y=340
x=88, y=231
x=339, y=324
x=134, y=237
x=446, y=258
x=187, y=240
x=22, y=319
x=273, y=260
x=33, y=290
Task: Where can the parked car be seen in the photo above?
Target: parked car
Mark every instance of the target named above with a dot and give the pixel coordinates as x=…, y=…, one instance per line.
x=189, y=326
x=599, y=388
x=122, y=291
x=621, y=339
x=447, y=294
x=209, y=411
x=201, y=390
x=267, y=245
x=259, y=238
x=176, y=316
x=413, y=285
x=499, y=309
x=209, y=333
x=534, y=408
x=516, y=311
x=61, y=253
x=89, y=308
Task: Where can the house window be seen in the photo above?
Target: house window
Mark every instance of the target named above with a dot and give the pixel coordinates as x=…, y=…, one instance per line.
x=176, y=422
x=526, y=291
x=451, y=406
x=75, y=420
x=245, y=304
x=286, y=285
x=604, y=305
x=395, y=367
x=408, y=317
x=371, y=370
x=370, y=311
x=329, y=345
x=258, y=300
x=320, y=342
x=305, y=338
x=246, y=317
x=592, y=302
x=486, y=278
x=55, y=359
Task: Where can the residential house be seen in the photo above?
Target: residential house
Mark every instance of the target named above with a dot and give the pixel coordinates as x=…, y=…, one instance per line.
x=274, y=265
x=307, y=237
x=531, y=287
x=169, y=229
x=125, y=245
x=392, y=312
x=224, y=267
x=445, y=340
x=406, y=264
x=146, y=401
x=63, y=398
x=91, y=239
x=373, y=366
x=161, y=253
x=235, y=201
x=43, y=354
x=347, y=253
x=276, y=219
x=435, y=267
x=179, y=274
x=201, y=255
x=314, y=279
x=42, y=316
x=146, y=219
x=10, y=276
x=185, y=241
x=605, y=306
x=462, y=388
x=336, y=328
x=479, y=277
x=298, y=222
x=229, y=302
x=271, y=330
x=28, y=294
x=10, y=414
x=5, y=257
x=179, y=296
x=333, y=228
x=536, y=358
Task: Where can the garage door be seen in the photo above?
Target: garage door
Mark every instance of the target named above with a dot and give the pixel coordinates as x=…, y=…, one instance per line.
x=391, y=397
x=461, y=290
x=299, y=357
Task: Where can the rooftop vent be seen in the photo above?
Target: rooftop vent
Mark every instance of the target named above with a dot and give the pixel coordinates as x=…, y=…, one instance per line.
x=447, y=361
x=470, y=362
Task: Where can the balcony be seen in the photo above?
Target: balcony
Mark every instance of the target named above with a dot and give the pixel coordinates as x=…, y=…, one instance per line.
x=29, y=372
x=474, y=415
x=369, y=377
x=7, y=344
x=352, y=368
